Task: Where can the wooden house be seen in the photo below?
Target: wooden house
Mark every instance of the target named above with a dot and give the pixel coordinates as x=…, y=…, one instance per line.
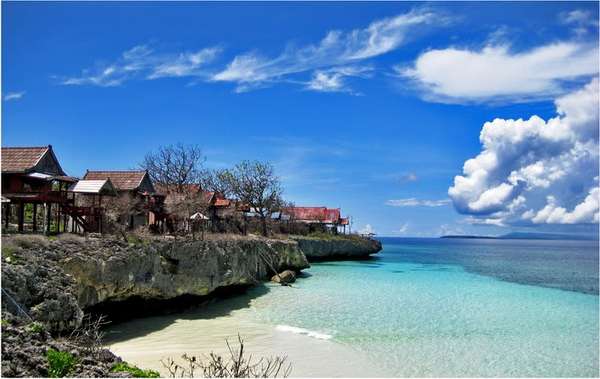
x=32, y=177
x=137, y=187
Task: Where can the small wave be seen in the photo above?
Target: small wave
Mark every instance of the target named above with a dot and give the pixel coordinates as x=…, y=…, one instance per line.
x=306, y=332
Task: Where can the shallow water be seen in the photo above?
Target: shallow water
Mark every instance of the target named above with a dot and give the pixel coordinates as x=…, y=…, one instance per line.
x=422, y=308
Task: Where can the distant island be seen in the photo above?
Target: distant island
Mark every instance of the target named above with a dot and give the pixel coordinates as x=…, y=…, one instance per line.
x=530, y=236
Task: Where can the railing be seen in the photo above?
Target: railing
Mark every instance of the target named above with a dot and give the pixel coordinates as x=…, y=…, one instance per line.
x=39, y=196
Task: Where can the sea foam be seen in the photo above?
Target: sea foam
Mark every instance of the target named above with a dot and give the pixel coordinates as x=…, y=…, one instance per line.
x=306, y=332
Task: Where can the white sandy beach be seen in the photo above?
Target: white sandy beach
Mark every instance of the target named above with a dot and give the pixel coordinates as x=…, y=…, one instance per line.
x=144, y=342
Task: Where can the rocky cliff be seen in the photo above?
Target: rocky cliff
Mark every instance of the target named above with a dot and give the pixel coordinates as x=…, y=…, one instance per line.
x=45, y=278
x=337, y=247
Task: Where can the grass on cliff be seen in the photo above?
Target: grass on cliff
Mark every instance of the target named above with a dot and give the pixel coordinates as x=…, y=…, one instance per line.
x=60, y=363
x=333, y=237
x=135, y=371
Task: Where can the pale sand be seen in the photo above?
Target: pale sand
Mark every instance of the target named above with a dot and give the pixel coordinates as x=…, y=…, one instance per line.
x=144, y=342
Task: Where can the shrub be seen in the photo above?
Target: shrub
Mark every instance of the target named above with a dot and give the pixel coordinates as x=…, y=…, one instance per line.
x=60, y=363
x=135, y=371
x=71, y=238
x=238, y=364
x=28, y=241
x=35, y=328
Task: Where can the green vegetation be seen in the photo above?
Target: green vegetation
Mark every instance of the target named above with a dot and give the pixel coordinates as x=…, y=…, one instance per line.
x=35, y=328
x=4, y=323
x=135, y=371
x=9, y=254
x=331, y=236
x=27, y=241
x=61, y=363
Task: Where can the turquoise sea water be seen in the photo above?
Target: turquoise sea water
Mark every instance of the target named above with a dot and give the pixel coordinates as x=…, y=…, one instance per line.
x=455, y=307
x=422, y=307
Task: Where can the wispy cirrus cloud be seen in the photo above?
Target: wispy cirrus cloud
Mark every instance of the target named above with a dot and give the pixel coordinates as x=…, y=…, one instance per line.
x=13, y=95
x=252, y=70
x=413, y=202
x=497, y=74
x=334, y=79
x=326, y=66
x=143, y=62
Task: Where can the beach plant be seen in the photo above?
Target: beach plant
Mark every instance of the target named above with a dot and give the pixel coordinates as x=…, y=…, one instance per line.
x=60, y=363
x=134, y=370
x=237, y=364
x=89, y=334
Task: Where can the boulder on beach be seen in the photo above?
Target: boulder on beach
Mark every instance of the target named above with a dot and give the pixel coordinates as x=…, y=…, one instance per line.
x=285, y=277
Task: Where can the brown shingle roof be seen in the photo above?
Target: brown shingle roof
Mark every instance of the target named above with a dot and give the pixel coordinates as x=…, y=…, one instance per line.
x=122, y=180
x=21, y=159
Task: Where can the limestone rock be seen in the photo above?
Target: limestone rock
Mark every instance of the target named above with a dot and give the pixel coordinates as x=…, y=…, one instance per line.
x=337, y=247
x=285, y=277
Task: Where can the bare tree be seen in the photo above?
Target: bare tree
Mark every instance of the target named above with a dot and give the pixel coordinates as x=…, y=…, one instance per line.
x=175, y=165
x=255, y=184
x=185, y=204
x=218, y=181
x=119, y=210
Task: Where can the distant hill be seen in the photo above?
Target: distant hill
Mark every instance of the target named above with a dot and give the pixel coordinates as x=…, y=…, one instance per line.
x=466, y=236
x=548, y=236
x=531, y=236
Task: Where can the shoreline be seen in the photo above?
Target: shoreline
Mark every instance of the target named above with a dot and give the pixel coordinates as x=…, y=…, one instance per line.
x=144, y=342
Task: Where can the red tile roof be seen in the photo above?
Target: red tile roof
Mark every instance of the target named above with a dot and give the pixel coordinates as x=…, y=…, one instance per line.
x=332, y=216
x=122, y=180
x=220, y=202
x=21, y=159
x=313, y=214
x=306, y=213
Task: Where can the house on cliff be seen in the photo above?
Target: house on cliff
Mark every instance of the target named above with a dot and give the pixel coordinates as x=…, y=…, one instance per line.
x=33, y=180
x=134, y=187
x=316, y=217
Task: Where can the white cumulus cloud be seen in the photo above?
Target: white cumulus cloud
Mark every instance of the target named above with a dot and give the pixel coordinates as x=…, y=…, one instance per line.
x=536, y=171
x=497, y=74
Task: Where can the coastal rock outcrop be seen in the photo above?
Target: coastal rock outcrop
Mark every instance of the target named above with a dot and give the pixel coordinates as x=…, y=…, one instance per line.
x=53, y=281
x=337, y=247
x=168, y=269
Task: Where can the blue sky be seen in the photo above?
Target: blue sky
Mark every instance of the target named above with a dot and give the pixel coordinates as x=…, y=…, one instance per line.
x=371, y=107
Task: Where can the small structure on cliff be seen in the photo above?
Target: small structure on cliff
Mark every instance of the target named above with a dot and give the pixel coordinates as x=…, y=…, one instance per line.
x=87, y=210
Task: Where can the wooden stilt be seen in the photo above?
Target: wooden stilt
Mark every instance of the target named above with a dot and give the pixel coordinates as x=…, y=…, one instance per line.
x=7, y=215
x=34, y=221
x=48, y=217
x=21, y=216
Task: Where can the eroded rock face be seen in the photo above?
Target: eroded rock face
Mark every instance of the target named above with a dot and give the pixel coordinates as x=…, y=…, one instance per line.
x=36, y=285
x=317, y=249
x=165, y=270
